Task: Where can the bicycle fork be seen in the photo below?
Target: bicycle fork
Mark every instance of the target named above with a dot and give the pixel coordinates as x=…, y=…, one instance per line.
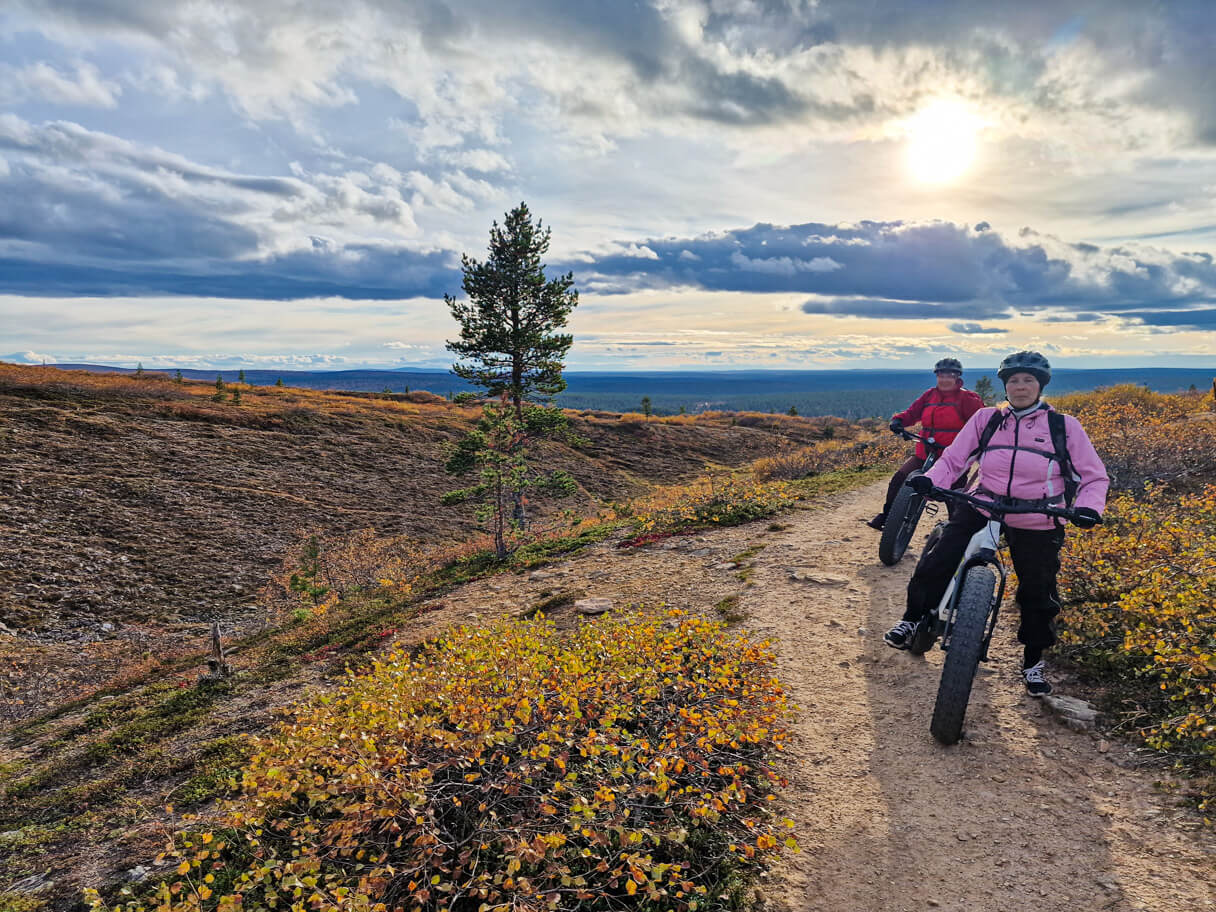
x=981, y=551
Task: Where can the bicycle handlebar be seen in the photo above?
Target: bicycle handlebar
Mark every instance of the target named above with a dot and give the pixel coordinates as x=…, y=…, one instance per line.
x=929, y=441
x=1002, y=509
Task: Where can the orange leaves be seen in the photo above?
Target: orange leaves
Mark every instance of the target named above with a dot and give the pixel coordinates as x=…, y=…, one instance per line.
x=512, y=765
x=1141, y=598
x=1144, y=436
x=710, y=501
x=828, y=456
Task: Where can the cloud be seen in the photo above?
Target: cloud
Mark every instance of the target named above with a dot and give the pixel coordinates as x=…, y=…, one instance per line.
x=972, y=329
x=89, y=213
x=44, y=82
x=28, y=357
x=607, y=70
x=925, y=270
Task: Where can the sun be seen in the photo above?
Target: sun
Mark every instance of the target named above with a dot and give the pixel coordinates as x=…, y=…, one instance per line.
x=942, y=141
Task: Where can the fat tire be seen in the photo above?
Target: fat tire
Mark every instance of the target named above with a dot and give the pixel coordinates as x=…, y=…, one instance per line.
x=963, y=656
x=900, y=525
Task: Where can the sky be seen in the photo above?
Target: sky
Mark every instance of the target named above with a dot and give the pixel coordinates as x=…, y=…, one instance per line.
x=733, y=183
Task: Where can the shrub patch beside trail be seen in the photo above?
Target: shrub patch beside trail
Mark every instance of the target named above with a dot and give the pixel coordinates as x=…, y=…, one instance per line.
x=627, y=763
x=1140, y=590
x=1141, y=594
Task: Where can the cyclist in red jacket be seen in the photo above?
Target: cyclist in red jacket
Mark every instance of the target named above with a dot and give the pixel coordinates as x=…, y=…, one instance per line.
x=942, y=411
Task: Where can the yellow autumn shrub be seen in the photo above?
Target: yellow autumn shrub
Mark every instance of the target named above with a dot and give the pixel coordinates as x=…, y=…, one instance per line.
x=1147, y=437
x=713, y=501
x=1140, y=605
x=624, y=764
x=830, y=455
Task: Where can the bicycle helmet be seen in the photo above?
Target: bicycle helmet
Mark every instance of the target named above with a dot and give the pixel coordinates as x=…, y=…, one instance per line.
x=1030, y=362
x=954, y=365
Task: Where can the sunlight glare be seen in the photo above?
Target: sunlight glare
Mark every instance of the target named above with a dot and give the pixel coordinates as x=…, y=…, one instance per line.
x=942, y=141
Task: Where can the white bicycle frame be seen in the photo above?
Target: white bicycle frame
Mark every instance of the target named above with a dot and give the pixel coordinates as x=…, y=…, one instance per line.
x=989, y=538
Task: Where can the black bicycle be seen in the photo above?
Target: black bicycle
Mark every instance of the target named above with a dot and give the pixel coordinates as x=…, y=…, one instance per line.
x=966, y=616
x=907, y=507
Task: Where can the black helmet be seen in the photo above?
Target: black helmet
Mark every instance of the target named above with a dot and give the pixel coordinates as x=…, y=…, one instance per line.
x=1027, y=361
x=949, y=364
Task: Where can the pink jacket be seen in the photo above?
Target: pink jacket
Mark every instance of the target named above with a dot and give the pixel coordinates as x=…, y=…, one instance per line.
x=1016, y=463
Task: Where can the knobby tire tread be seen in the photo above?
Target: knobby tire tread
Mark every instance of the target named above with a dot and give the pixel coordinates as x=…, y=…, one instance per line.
x=897, y=531
x=963, y=656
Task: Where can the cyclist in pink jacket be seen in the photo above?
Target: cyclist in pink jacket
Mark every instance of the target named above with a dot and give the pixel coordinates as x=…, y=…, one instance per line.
x=1019, y=462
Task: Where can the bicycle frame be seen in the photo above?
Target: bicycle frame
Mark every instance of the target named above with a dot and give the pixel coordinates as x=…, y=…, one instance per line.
x=982, y=550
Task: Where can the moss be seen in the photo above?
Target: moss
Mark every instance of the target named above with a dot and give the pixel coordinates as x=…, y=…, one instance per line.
x=218, y=763
x=747, y=555
x=728, y=609
x=555, y=600
x=15, y=902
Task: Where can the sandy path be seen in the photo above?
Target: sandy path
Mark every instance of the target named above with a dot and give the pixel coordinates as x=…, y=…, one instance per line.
x=1022, y=815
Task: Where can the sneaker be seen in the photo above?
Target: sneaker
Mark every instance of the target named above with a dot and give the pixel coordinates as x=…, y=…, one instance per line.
x=1037, y=684
x=878, y=522
x=899, y=636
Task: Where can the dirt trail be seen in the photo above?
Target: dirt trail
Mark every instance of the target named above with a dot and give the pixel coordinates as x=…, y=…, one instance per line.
x=1023, y=815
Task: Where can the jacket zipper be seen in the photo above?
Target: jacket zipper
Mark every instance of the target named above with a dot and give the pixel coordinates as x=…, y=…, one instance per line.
x=1013, y=457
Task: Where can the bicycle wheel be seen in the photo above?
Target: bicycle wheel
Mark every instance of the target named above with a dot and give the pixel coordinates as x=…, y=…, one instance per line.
x=963, y=656
x=900, y=526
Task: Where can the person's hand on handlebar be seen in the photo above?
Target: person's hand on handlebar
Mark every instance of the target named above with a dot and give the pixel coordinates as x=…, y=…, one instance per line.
x=896, y=426
x=1085, y=517
x=921, y=485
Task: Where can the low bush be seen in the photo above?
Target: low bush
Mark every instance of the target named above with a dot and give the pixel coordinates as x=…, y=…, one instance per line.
x=827, y=456
x=1146, y=437
x=626, y=764
x=721, y=501
x=1140, y=610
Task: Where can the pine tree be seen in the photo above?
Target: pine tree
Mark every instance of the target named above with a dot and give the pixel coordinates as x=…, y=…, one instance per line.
x=220, y=393
x=236, y=395
x=279, y=382
x=508, y=340
x=646, y=410
x=983, y=389
x=177, y=378
x=497, y=451
x=139, y=370
x=793, y=412
x=240, y=377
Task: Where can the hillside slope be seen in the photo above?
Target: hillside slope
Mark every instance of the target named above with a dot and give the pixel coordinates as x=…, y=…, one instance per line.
x=128, y=500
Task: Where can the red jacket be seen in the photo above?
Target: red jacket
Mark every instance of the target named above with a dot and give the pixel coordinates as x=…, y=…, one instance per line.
x=941, y=414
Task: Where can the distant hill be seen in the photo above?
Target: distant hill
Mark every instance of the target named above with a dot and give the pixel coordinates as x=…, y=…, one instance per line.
x=847, y=393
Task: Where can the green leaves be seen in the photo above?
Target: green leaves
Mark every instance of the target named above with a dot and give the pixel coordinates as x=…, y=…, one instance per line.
x=512, y=766
x=508, y=341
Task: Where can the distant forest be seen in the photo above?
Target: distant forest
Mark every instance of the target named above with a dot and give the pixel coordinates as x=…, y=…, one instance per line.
x=849, y=394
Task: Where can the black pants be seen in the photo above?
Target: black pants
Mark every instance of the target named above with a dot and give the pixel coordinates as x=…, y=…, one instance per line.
x=901, y=475
x=1036, y=560
x=898, y=479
